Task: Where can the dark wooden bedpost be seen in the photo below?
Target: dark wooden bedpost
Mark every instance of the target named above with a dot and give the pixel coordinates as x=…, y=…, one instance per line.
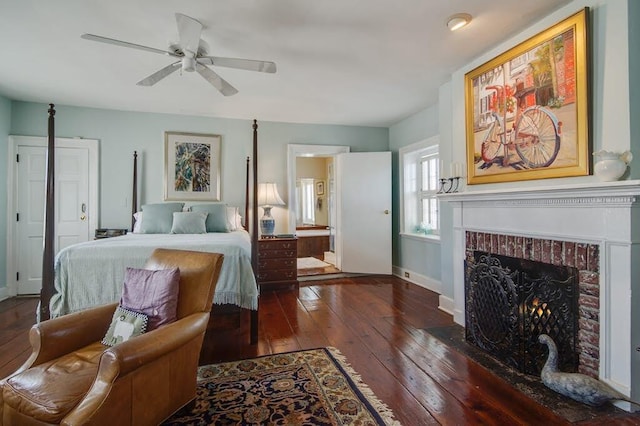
x=49, y=222
x=254, y=227
x=134, y=196
x=254, y=202
x=246, y=198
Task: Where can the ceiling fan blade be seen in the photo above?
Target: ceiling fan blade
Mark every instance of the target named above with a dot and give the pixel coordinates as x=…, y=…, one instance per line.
x=241, y=64
x=107, y=40
x=189, y=31
x=216, y=81
x=159, y=75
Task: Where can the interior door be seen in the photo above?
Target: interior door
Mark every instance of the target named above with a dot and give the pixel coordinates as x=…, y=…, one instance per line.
x=363, y=207
x=74, y=203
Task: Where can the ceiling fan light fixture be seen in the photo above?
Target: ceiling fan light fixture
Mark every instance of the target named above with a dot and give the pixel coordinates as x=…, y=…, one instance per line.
x=457, y=21
x=188, y=64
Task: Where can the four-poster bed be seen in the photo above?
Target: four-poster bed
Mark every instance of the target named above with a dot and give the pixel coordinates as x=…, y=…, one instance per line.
x=91, y=273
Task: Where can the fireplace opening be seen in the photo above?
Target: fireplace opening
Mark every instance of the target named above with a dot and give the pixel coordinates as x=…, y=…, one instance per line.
x=511, y=301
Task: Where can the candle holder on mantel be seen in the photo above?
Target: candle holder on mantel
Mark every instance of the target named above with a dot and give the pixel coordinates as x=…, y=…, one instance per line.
x=449, y=185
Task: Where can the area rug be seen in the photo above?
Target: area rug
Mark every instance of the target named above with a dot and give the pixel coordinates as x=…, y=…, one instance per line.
x=312, y=387
x=311, y=262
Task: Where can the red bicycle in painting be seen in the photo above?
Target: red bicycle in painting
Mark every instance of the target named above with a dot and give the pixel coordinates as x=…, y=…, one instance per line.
x=534, y=131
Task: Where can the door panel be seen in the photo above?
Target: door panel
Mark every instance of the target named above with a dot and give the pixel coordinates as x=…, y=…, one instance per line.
x=363, y=195
x=71, y=192
x=30, y=203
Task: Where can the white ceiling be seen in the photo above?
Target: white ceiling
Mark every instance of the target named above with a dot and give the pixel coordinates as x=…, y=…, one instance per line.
x=353, y=62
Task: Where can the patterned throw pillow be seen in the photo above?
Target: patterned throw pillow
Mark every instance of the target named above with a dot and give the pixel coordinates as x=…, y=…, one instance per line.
x=153, y=293
x=124, y=325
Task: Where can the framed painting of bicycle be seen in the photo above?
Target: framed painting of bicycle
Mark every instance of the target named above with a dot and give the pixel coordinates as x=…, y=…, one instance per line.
x=527, y=109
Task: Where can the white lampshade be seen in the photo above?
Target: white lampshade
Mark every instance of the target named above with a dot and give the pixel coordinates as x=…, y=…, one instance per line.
x=268, y=195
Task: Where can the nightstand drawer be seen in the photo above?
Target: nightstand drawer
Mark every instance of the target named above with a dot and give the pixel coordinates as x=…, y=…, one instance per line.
x=277, y=275
x=278, y=263
x=276, y=244
x=270, y=254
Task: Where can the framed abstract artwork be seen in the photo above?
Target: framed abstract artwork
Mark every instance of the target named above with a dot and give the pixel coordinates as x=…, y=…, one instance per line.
x=527, y=113
x=191, y=167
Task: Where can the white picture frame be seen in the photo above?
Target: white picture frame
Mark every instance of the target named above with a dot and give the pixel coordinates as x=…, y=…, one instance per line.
x=191, y=166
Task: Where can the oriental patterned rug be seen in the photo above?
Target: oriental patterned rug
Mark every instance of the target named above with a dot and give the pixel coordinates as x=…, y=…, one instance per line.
x=312, y=387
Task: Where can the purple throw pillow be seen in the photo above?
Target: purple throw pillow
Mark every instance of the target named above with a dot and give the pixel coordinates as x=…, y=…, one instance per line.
x=153, y=293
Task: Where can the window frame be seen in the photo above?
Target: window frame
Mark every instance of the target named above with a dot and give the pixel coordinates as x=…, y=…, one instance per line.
x=413, y=155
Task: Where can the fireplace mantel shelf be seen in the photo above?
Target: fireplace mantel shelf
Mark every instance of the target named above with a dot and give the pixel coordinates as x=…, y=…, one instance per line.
x=624, y=192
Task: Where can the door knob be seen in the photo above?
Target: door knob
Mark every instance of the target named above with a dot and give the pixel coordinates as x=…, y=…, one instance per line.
x=83, y=217
x=386, y=211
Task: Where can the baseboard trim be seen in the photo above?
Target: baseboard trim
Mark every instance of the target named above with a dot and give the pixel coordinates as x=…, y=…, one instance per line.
x=4, y=293
x=418, y=279
x=446, y=304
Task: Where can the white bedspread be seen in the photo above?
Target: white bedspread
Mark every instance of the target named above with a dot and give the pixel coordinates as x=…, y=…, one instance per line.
x=91, y=273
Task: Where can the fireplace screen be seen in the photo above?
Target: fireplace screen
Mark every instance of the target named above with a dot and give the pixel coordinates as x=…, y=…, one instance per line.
x=510, y=302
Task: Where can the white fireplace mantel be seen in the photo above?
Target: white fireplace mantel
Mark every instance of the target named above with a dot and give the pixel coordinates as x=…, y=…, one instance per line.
x=585, y=193
x=602, y=213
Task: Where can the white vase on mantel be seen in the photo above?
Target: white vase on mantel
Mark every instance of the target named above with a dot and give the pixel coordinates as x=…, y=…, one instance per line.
x=610, y=166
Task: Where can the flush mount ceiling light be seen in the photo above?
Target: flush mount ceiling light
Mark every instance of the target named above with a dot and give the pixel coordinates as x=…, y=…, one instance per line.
x=458, y=21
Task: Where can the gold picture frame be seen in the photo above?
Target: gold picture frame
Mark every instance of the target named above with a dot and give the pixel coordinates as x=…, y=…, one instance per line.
x=191, y=167
x=527, y=110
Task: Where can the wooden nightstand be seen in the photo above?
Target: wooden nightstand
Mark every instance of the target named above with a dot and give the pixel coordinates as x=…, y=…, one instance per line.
x=277, y=263
x=108, y=233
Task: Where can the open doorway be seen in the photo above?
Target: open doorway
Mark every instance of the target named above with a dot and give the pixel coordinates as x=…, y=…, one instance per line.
x=312, y=212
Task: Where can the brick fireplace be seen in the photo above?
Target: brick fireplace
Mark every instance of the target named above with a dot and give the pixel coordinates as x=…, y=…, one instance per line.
x=593, y=226
x=583, y=257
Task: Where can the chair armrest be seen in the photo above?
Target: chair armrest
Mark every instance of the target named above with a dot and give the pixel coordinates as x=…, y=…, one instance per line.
x=129, y=355
x=53, y=338
x=125, y=357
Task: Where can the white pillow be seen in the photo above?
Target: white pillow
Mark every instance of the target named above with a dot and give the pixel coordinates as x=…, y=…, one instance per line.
x=137, y=224
x=234, y=219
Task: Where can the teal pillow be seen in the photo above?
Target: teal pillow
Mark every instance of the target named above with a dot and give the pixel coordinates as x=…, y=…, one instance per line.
x=189, y=223
x=158, y=218
x=216, y=216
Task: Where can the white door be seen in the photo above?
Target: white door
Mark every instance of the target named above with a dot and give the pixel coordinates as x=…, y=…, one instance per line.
x=30, y=218
x=74, y=204
x=363, y=206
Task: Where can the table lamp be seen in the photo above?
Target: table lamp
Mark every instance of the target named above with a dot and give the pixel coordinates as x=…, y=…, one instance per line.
x=267, y=198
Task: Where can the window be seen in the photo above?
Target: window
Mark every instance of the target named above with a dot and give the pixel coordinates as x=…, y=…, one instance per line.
x=419, y=165
x=306, y=209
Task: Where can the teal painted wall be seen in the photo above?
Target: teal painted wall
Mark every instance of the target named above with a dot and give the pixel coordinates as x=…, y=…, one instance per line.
x=5, y=125
x=420, y=256
x=122, y=132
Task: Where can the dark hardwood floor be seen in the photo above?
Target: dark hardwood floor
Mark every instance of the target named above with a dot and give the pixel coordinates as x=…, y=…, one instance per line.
x=381, y=326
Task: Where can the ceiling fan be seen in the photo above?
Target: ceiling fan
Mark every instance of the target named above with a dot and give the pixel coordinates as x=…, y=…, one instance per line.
x=191, y=54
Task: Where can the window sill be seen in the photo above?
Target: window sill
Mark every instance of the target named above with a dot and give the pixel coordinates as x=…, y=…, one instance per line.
x=421, y=237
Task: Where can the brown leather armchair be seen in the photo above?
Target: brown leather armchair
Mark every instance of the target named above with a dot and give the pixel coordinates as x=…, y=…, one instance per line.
x=71, y=378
